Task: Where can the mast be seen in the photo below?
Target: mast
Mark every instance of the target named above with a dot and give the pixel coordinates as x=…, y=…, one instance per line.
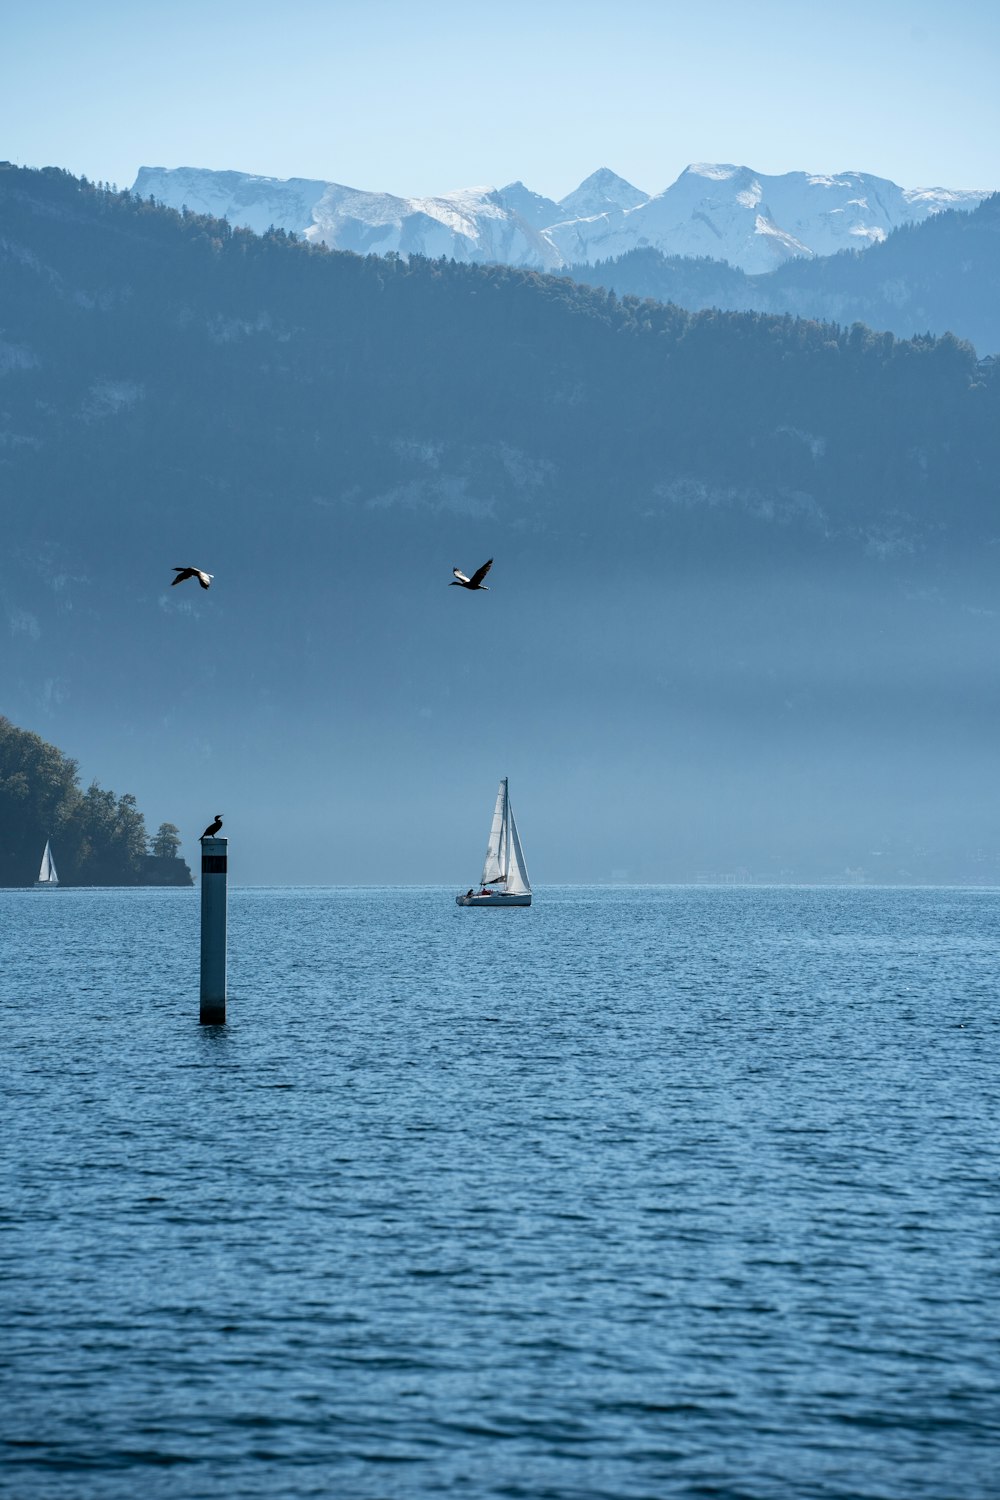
x=505, y=846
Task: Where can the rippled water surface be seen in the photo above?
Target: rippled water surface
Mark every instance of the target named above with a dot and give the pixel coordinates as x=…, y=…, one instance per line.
x=642, y=1192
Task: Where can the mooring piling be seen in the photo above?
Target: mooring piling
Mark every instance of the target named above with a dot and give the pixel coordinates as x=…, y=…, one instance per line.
x=214, y=876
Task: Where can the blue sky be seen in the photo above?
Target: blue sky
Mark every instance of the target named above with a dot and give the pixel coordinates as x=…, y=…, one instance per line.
x=413, y=97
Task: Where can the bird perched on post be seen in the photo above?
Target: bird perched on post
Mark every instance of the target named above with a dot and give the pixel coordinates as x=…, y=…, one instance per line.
x=213, y=828
x=476, y=581
x=203, y=578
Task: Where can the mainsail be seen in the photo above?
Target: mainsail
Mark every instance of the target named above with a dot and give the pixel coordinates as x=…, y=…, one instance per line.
x=504, y=863
x=492, y=866
x=47, y=873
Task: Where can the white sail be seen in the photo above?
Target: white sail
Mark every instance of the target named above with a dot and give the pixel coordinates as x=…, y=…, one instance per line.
x=517, y=875
x=493, y=865
x=47, y=873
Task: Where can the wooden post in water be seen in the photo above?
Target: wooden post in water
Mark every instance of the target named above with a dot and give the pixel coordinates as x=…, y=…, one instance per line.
x=214, y=875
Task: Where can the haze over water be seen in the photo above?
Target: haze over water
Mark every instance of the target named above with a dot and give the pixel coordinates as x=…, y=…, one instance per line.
x=640, y=1192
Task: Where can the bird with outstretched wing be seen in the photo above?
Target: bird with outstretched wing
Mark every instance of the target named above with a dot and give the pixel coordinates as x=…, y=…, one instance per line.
x=204, y=579
x=476, y=581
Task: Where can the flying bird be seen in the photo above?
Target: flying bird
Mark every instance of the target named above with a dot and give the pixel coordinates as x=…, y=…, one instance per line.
x=476, y=581
x=213, y=828
x=203, y=578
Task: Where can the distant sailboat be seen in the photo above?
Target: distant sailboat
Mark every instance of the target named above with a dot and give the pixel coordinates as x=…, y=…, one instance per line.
x=47, y=874
x=505, y=879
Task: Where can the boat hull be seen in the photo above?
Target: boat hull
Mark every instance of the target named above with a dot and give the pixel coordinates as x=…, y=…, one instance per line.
x=494, y=899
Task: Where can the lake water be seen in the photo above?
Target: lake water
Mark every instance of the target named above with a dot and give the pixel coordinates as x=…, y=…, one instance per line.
x=643, y=1192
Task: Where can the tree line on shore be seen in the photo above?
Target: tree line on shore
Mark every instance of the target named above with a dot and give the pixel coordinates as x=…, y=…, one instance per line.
x=97, y=838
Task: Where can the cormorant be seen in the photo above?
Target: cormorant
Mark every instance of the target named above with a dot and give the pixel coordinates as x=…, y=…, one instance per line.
x=213, y=828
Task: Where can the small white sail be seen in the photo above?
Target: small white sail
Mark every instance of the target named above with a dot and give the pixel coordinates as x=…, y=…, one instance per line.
x=47, y=873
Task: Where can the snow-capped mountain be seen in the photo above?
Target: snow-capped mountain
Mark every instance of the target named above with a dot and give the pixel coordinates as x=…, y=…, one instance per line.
x=755, y=221
x=473, y=225
x=726, y=212
x=470, y=225
x=603, y=192
x=258, y=203
x=535, y=210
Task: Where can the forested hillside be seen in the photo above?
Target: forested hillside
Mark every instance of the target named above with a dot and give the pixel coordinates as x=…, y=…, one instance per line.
x=936, y=277
x=742, y=562
x=113, y=308
x=97, y=838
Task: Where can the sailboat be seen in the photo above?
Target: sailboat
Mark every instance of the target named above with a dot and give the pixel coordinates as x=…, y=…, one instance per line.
x=47, y=876
x=505, y=879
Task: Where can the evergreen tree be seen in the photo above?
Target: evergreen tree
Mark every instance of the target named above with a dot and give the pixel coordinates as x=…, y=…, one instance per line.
x=166, y=842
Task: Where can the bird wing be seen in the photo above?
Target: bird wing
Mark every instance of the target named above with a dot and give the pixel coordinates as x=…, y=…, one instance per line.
x=204, y=578
x=460, y=575
x=182, y=573
x=481, y=573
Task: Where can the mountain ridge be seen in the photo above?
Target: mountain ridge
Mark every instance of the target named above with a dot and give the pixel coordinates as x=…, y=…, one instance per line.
x=732, y=213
